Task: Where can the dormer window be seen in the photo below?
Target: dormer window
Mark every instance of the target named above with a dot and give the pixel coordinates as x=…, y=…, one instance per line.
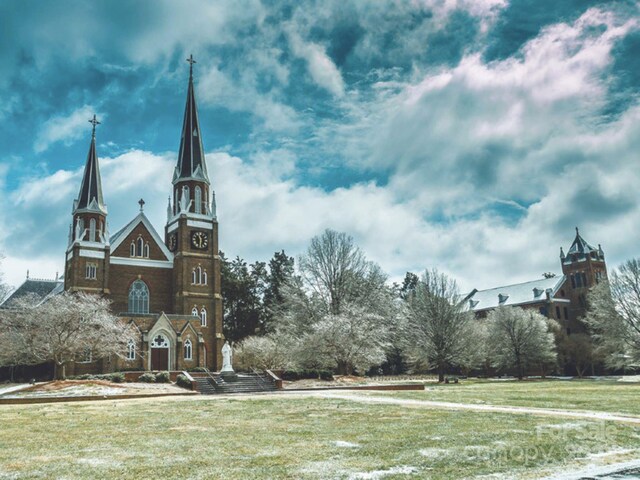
x=502, y=298
x=537, y=292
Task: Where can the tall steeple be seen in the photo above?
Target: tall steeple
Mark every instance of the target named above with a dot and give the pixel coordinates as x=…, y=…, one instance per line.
x=191, y=162
x=90, y=195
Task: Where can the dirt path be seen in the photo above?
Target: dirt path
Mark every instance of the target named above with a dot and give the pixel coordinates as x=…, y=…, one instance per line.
x=588, y=415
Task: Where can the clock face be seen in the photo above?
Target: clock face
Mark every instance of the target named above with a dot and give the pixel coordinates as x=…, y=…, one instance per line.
x=200, y=240
x=173, y=242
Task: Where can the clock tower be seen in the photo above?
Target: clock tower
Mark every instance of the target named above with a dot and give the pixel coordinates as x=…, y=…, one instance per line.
x=191, y=234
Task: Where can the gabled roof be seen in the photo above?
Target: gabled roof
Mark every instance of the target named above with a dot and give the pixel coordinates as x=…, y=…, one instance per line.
x=517, y=294
x=117, y=238
x=41, y=289
x=191, y=162
x=90, y=195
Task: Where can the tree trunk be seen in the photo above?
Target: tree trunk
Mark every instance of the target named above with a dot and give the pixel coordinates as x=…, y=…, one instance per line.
x=440, y=374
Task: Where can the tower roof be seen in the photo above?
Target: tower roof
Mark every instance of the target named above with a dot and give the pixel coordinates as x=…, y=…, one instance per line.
x=580, y=250
x=191, y=161
x=580, y=246
x=90, y=195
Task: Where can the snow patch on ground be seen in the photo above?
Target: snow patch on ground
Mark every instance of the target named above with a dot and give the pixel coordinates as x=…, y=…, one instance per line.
x=630, y=378
x=375, y=474
x=434, y=452
x=619, y=451
x=343, y=444
x=98, y=462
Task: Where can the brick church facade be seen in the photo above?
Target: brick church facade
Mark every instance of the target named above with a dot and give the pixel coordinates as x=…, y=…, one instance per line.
x=167, y=286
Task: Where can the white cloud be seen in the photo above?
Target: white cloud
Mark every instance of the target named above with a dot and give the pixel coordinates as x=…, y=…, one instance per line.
x=65, y=129
x=321, y=68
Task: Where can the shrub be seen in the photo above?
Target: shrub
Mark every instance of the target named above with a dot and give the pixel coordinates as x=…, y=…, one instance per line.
x=184, y=382
x=163, y=377
x=147, y=378
x=301, y=374
x=117, y=377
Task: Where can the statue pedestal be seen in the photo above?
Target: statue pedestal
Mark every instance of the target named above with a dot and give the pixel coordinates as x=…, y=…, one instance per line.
x=229, y=375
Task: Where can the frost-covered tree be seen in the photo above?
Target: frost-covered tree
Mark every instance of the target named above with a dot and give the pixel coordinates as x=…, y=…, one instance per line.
x=519, y=339
x=4, y=288
x=336, y=308
x=261, y=352
x=62, y=329
x=613, y=316
x=439, y=327
x=578, y=350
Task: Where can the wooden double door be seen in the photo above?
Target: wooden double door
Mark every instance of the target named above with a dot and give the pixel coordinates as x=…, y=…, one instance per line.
x=160, y=359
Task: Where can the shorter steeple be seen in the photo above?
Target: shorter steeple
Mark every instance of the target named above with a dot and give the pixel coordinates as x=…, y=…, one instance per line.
x=90, y=195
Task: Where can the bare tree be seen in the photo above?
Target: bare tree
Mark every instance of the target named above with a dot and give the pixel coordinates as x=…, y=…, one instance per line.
x=64, y=328
x=439, y=326
x=519, y=339
x=336, y=309
x=614, y=315
x=5, y=289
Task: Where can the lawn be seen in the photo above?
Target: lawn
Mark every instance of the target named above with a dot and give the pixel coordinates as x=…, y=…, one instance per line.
x=596, y=395
x=288, y=436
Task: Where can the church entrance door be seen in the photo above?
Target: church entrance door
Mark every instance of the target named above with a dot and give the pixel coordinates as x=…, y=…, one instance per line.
x=160, y=353
x=159, y=359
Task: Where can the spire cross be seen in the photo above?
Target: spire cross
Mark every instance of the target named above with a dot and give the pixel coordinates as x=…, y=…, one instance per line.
x=141, y=203
x=191, y=62
x=94, y=122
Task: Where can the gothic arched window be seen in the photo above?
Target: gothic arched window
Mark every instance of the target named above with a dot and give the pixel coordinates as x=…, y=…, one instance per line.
x=138, y=297
x=203, y=317
x=188, y=350
x=139, y=246
x=132, y=250
x=194, y=277
x=204, y=277
x=131, y=350
x=146, y=250
x=198, y=200
x=92, y=230
x=194, y=311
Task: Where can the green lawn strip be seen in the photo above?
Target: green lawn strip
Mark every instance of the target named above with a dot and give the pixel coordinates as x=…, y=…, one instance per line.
x=603, y=396
x=285, y=438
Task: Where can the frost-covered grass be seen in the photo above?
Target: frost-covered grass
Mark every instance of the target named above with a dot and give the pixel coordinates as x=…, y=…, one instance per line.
x=595, y=395
x=272, y=437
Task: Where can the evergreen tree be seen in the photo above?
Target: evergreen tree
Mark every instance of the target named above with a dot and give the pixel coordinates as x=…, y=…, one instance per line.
x=280, y=272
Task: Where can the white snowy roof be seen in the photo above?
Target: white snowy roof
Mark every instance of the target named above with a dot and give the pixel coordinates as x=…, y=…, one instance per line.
x=518, y=294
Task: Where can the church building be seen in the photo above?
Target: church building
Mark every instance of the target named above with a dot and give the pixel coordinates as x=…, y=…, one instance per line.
x=167, y=286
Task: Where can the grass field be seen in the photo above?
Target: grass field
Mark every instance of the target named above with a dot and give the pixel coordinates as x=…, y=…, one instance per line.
x=600, y=395
x=290, y=436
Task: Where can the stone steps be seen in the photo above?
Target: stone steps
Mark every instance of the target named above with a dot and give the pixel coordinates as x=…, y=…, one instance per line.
x=242, y=383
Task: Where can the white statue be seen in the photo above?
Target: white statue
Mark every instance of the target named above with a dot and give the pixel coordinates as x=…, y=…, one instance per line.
x=227, y=355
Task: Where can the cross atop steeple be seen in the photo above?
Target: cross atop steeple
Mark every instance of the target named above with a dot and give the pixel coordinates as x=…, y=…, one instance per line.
x=94, y=122
x=191, y=62
x=141, y=203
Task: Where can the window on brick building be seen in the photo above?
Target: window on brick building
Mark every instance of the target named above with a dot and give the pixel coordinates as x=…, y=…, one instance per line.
x=573, y=281
x=566, y=313
x=203, y=317
x=92, y=230
x=188, y=350
x=139, y=297
x=558, y=313
x=91, y=270
x=131, y=350
x=194, y=311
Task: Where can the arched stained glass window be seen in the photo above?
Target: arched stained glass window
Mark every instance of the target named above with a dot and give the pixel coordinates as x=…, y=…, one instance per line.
x=139, y=297
x=131, y=350
x=188, y=350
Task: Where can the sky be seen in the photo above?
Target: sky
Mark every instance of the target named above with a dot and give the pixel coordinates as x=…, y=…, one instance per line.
x=471, y=136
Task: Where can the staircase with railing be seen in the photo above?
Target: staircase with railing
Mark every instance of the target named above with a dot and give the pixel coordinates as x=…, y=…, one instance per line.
x=208, y=383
